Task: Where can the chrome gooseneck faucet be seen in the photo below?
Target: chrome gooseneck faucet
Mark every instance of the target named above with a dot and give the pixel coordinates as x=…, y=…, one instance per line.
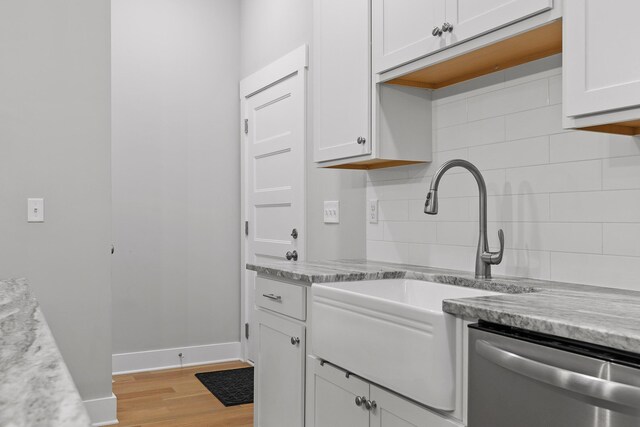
x=484, y=258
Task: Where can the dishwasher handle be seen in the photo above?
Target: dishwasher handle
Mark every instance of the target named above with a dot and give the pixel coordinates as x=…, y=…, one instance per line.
x=609, y=391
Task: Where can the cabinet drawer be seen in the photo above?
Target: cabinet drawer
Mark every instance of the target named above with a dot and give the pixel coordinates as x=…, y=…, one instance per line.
x=284, y=298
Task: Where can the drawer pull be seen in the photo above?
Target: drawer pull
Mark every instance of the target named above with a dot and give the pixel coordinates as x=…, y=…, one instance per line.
x=273, y=297
x=295, y=340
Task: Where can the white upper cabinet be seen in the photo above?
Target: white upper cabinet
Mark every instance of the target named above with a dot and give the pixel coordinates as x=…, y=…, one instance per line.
x=601, y=64
x=402, y=31
x=341, y=79
x=471, y=18
x=405, y=30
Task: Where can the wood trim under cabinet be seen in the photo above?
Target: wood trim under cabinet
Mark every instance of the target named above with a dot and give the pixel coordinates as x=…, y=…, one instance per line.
x=631, y=128
x=374, y=164
x=524, y=47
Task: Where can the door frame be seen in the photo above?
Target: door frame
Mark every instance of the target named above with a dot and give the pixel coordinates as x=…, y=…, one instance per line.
x=294, y=63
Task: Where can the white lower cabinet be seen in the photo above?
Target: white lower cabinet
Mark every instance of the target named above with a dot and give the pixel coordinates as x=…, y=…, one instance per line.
x=341, y=400
x=279, y=372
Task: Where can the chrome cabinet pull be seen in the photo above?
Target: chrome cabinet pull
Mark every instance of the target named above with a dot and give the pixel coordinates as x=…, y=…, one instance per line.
x=358, y=401
x=361, y=140
x=273, y=297
x=436, y=32
x=292, y=255
x=295, y=340
x=294, y=233
x=373, y=405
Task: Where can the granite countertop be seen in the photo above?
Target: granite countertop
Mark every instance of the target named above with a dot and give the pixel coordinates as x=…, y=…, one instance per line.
x=36, y=388
x=605, y=316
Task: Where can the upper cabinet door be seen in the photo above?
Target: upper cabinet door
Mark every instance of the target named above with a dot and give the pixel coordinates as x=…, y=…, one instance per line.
x=341, y=79
x=601, y=64
x=402, y=31
x=472, y=18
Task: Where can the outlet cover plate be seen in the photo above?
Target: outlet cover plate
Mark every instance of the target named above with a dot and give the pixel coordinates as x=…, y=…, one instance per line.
x=331, y=212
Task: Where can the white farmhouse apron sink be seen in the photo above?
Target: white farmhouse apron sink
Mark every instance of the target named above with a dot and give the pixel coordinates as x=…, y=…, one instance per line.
x=391, y=332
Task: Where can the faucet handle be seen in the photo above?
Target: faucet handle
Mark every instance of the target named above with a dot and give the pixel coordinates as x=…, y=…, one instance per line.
x=495, y=257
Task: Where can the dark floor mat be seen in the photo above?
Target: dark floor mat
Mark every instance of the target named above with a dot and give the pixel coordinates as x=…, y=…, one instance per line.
x=231, y=387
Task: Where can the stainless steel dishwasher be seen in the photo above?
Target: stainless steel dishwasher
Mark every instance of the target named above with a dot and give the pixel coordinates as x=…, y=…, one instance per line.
x=523, y=379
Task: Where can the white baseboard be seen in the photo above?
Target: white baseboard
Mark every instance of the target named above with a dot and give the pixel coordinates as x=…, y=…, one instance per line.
x=103, y=411
x=153, y=360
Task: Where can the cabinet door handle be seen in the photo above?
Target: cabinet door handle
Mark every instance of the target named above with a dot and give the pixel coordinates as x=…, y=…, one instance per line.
x=447, y=28
x=436, y=32
x=359, y=401
x=361, y=140
x=291, y=255
x=295, y=340
x=273, y=297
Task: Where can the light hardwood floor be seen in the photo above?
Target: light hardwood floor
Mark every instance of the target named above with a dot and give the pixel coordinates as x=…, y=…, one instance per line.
x=176, y=398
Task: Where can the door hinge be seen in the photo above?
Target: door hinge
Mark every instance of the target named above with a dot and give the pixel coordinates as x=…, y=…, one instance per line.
x=246, y=330
x=246, y=228
x=246, y=125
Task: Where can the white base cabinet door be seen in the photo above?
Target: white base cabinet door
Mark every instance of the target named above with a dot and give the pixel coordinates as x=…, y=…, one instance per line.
x=279, y=372
x=394, y=411
x=601, y=64
x=341, y=400
x=335, y=398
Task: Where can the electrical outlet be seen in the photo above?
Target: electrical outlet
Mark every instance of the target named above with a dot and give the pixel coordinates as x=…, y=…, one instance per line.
x=373, y=211
x=35, y=210
x=331, y=212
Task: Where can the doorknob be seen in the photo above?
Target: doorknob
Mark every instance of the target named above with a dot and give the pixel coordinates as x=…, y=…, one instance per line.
x=294, y=233
x=292, y=255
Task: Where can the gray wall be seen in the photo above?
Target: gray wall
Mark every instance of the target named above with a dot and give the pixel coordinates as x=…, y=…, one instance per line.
x=176, y=169
x=270, y=29
x=54, y=143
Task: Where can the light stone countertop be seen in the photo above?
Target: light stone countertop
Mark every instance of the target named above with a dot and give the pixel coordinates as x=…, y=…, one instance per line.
x=604, y=316
x=36, y=388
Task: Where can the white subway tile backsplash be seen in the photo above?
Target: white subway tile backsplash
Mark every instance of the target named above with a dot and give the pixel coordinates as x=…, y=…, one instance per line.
x=581, y=145
x=388, y=251
x=621, y=239
x=465, y=185
x=456, y=210
x=601, y=270
x=410, y=232
x=527, y=124
x=555, y=178
x=523, y=152
x=526, y=96
x=521, y=263
x=393, y=210
x=621, y=173
x=513, y=208
x=458, y=233
x=555, y=90
x=568, y=201
x=443, y=256
x=562, y=237
x=596, y=206
x=471, y=134
x=375, y=231
x=453, y=113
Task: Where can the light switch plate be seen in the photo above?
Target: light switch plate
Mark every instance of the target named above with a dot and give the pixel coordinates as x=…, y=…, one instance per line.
x=35, y=210
x=372, y=212
x=331, y=212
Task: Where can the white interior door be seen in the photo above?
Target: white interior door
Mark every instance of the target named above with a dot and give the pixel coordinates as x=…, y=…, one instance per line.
x=275, y=179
